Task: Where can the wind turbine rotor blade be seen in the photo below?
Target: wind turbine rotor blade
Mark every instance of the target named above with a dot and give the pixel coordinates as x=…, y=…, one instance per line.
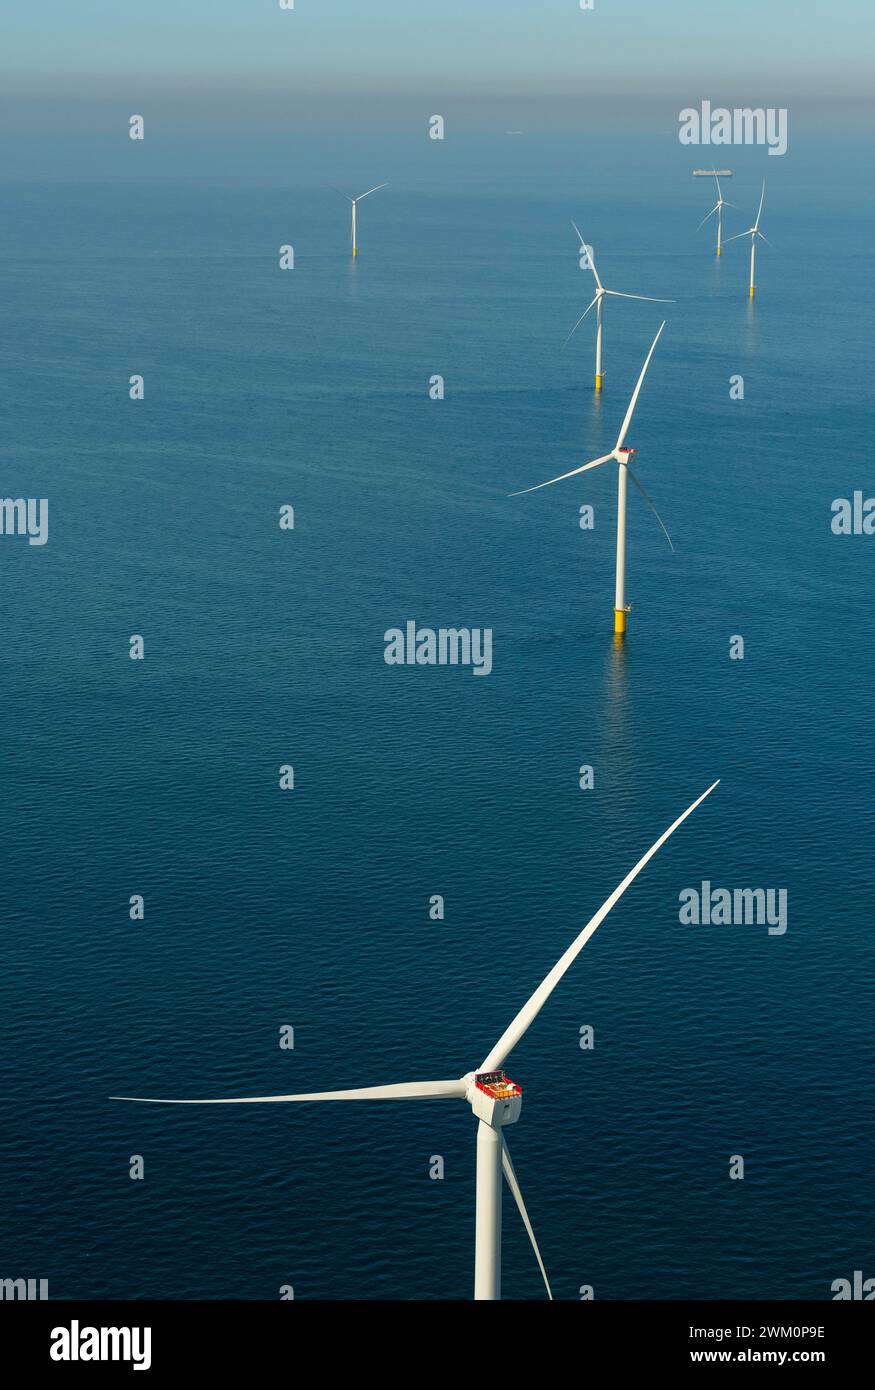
x=372, y=190
x=341, y=192
x=622, y=435
x=533, y=1006
x=550, y=481
x=514, y=1186
x=618, y=294
x=580, y=321
x=762, y=236
x=648, y=500
x=589, y=253
x=760, y=209
x=738, y=235
x=406, y=1090
x=705, y=218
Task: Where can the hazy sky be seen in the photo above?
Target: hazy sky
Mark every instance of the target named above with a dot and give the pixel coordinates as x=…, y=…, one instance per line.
x=767, y=49
x=243, y=90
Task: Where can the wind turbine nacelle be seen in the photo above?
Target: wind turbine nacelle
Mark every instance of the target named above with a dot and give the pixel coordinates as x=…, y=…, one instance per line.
x=495, y=1099
x=627, y=455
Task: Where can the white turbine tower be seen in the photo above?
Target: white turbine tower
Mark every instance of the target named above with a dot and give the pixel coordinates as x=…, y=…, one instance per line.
x=754, y=232
x=622, y=457
x=494, y=1099
x=355, y=202
x=718, y=208
x=600, y=294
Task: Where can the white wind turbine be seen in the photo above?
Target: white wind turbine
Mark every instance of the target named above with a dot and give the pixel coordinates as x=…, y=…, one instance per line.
x=754, y=232
x=494, y=1099
x=718, y=208
x=355, y=202
x=622, y=456
x=600, y=294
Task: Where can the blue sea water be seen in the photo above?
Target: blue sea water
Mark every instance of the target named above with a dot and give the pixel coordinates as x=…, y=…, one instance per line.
x=265, y=647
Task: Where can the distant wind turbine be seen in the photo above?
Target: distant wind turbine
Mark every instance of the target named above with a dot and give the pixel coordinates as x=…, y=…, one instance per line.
x=718, y=208
x=599, y=296
x=494, y=1099
x=355, y=202
x=622, y=457
x=754, y=232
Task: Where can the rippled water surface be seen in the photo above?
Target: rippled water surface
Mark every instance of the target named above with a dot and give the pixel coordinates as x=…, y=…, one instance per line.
x=265, y=647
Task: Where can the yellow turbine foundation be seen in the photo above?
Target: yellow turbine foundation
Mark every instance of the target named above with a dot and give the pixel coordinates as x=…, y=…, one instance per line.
x=598, y=383
x=719, y=252
x=751, y=291
x=619, y=622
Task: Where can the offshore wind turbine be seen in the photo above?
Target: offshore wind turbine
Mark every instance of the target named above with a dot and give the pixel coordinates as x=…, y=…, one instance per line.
x=495, y=1100
x=355, y=202
x=600, y=295
x=621, y=456
x=754, y=232
x=718, y=208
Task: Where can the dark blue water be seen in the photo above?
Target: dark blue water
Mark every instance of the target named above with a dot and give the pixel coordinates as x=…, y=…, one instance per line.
x=265, y=647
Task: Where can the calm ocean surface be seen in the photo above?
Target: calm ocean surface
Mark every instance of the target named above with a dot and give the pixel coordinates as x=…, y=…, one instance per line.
x=264, y=647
